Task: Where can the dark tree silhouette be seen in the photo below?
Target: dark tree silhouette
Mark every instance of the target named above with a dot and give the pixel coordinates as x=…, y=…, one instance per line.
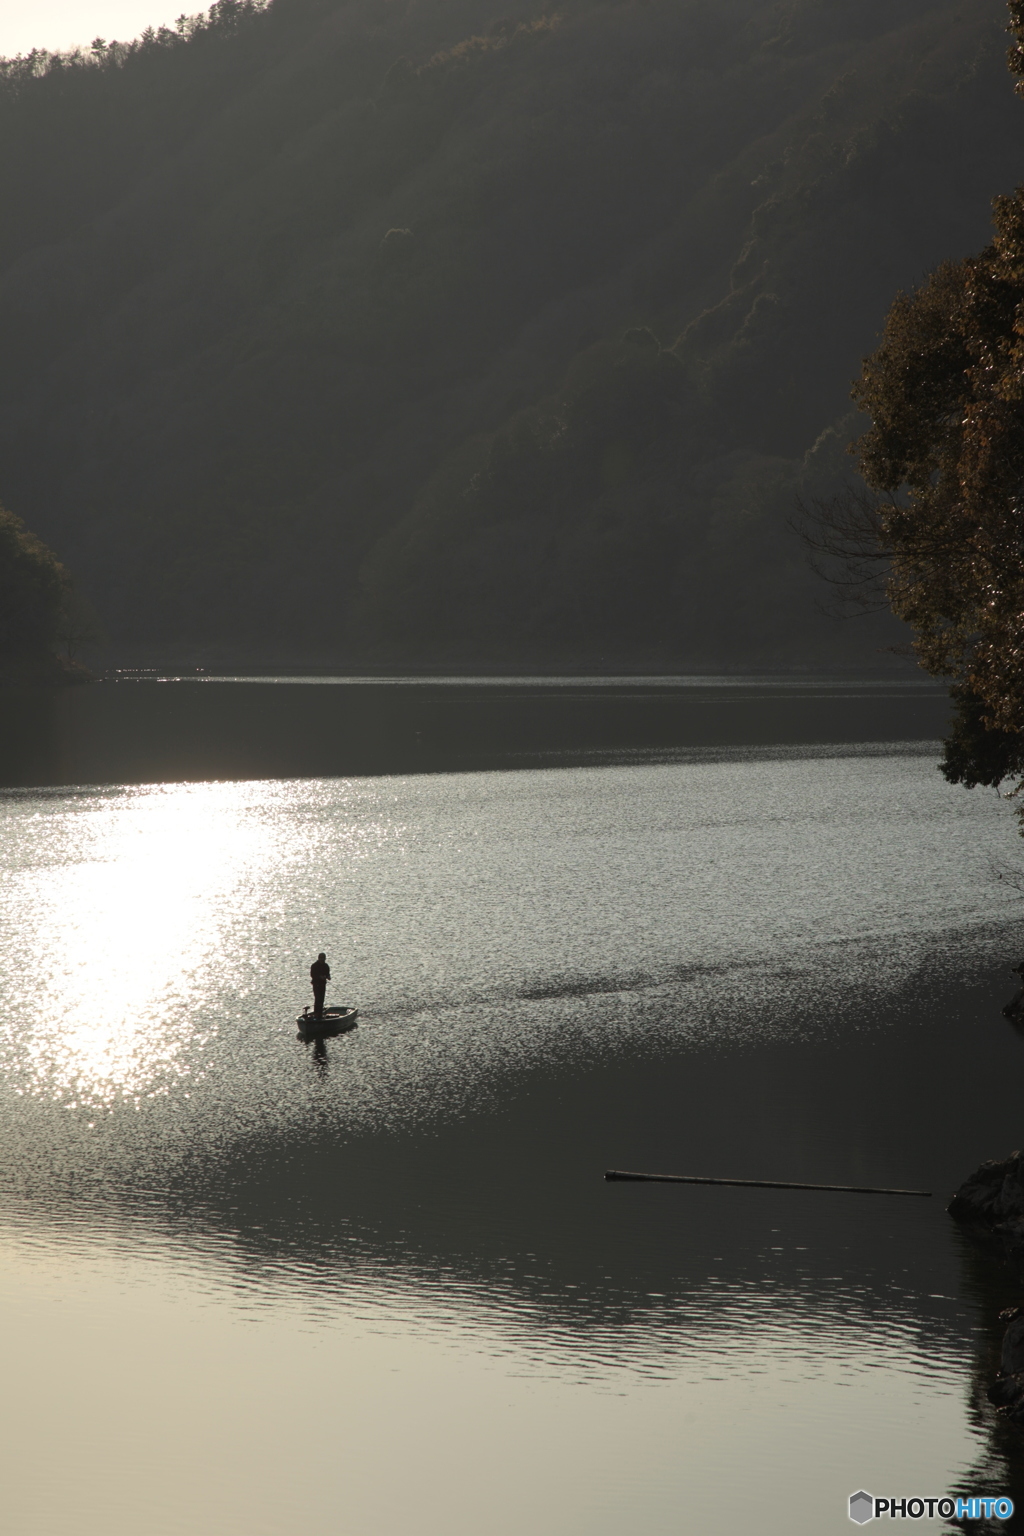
x=522, y=328
x=34, y=590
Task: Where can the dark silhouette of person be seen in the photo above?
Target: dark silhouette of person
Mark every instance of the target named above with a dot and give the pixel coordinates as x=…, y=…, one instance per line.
x=319, y=975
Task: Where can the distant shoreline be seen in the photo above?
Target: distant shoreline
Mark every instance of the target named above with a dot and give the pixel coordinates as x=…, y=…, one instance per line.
x=625, y=680
x=163, y=729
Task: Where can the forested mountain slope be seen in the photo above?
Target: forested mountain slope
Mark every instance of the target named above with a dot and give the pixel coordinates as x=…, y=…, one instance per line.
x=450, y=333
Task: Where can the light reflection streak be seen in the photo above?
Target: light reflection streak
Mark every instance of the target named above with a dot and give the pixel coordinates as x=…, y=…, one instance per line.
x=122, y=929
x=157, y=939
x=158, y=935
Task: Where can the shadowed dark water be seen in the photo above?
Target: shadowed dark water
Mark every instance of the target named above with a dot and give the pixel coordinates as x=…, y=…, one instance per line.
x=137, y=732
x=247, y=1290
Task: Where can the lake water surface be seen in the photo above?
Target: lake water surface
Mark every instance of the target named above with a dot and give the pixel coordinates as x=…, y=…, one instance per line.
x=249, y=1291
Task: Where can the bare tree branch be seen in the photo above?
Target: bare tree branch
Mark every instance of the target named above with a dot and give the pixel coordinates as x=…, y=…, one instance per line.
x=844, y=537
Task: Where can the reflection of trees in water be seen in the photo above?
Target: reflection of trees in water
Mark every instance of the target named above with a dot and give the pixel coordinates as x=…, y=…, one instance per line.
x=993, y=1281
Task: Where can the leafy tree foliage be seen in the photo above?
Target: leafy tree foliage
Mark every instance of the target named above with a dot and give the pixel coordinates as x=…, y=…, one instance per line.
x=945, y=394
x=974, y=752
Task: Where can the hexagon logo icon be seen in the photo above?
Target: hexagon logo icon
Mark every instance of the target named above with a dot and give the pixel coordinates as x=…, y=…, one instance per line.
x=862, y=1507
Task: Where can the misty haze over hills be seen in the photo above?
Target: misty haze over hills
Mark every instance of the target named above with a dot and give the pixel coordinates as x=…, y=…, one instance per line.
x=461, y=335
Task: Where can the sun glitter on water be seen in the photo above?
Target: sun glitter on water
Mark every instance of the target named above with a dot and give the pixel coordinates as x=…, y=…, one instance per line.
x=121, y=929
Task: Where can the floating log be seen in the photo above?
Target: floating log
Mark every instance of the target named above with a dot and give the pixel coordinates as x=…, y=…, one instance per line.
x=688, y=1178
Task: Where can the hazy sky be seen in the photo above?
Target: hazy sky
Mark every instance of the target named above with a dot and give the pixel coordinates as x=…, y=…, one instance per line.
x=26, y=24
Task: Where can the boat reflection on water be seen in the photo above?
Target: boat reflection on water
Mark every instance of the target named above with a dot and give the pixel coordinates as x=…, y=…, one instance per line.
x=332, y=1022
x=317, y=1031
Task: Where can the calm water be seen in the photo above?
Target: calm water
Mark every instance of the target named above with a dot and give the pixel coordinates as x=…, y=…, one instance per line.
x=245, y=1290
x=172, y=729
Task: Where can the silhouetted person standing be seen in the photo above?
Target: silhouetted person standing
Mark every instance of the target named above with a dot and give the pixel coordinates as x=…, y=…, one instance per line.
x=319, y=975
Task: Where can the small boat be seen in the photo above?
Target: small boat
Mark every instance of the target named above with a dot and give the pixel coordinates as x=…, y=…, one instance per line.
x=335, y=1021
